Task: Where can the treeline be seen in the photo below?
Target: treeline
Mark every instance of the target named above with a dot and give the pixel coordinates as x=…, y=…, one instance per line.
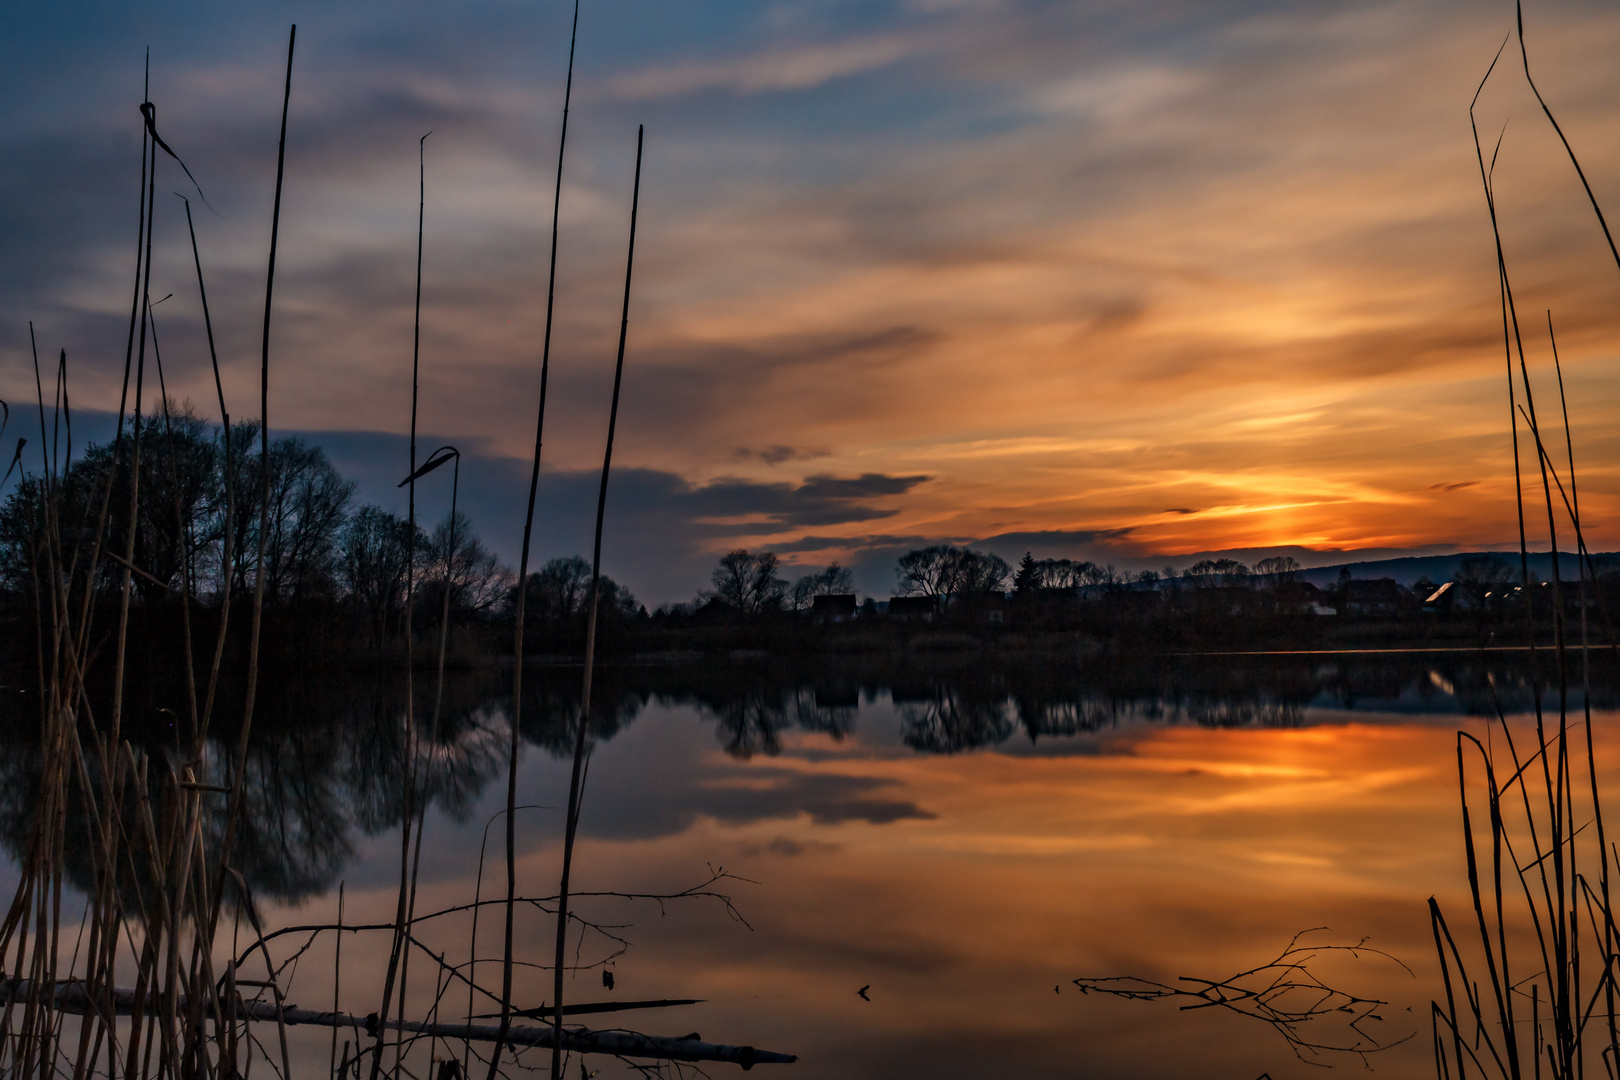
x=337, y=575
x=1220, y=603
x=752, y=583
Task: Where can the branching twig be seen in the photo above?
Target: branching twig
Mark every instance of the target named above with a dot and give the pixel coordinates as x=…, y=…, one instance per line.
x=1284, y=993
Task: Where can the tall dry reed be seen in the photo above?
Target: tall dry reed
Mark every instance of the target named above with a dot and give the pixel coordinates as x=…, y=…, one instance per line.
x=1529, y=979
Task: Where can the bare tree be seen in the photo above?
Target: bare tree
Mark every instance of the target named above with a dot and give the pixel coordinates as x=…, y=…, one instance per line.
x=929, y=571
x=1036, y=573
x=834, y=581
x=1278, y=569
x=1481, y=576
x=981, y=572
x=558, y=589
x=309, y=502
x=1210, y=572
x=373, y=551
x=478, y=581
x=748, y=582
x=945, y=571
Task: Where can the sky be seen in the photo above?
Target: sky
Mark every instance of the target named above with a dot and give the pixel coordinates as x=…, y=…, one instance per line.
x=1130, y=282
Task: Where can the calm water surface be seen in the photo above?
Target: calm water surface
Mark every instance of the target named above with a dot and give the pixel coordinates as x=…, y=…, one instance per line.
x=964, y=843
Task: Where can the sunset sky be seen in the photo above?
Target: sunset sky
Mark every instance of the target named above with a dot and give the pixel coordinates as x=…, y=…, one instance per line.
x=1126, y=281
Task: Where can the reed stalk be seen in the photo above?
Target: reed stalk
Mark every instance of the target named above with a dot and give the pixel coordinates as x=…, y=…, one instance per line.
x=397, y=953
x=523, y=571
x=229, y=473
x=408, y=916
x=140, y=993
x=576, y=779
x=256, y=624
x=1533, y=891
x=182, y=536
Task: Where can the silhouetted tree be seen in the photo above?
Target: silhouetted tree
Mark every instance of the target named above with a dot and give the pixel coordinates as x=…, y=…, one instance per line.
x=1481, y=576
x=181, y=518
x=748, y=583
x=1217, y=572
x=834, y=581
x=1278, y=569
x=946, y=571
x=981, y=571
x=478, y=581
x=927, y=571
x=309, y=502
x=1028, y=578
x=1067, y=573
x=178, y=504
x=373, y=551
x=558, y=589
x=556, y=603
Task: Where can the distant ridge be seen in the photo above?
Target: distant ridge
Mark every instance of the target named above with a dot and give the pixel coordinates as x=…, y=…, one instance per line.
x=1439, y=568
x=1405, y=565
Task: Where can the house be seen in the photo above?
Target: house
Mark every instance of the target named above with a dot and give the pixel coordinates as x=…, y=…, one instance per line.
x=992, y=605
x=1301, y=596
x=835, y=607
x=922, y=608
x=1380, y=596
x=1443, y=598
x=1044, y=597
x=1134, y=601
x=713, y=611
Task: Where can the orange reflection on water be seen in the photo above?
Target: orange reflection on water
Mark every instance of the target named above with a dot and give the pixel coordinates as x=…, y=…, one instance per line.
x=967, y=890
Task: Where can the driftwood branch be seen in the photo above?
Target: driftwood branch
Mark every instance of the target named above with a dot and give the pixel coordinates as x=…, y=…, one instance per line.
x=69, y=996
x=1283, y=993
x=700, y=891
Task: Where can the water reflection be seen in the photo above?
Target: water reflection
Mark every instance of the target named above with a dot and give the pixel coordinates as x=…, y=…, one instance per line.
x=325, y=767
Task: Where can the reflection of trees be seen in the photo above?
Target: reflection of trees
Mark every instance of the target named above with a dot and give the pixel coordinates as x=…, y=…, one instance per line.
x=953, y=721
x=1235, y=713
x=829, y=713
x=294, y=833
x=1073, y=716
x=326, y=766
x=752, y=718
x=306, y=789
x=752, y=723
x=318, y=769
x=550, y=712
x=753, y=708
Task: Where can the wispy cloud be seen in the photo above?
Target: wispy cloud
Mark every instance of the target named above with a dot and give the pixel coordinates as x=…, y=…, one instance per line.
x=800, y=68
x=1074, y=264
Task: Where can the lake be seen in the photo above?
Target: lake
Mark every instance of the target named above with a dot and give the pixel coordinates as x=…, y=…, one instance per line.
x=961, y=840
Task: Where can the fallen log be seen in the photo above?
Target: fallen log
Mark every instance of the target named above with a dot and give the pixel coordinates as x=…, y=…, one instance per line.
x=69, y=996
x=579, y=1008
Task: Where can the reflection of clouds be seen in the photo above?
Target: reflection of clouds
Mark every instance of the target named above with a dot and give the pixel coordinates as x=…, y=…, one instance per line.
x=828, y=798
x=673, y=782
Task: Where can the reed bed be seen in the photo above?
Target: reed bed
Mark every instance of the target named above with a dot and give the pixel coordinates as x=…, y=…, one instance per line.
x=158, y=871
x=1529, y=974
x=133, y=946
